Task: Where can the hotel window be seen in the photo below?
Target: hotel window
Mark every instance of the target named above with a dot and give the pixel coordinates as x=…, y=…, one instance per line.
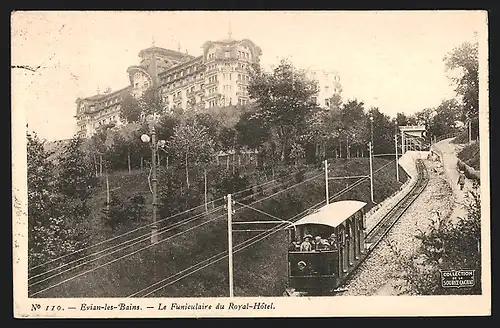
x=327, y=88
x=226, y=54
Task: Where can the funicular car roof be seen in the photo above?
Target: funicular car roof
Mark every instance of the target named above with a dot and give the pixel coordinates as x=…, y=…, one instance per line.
x=333, y=214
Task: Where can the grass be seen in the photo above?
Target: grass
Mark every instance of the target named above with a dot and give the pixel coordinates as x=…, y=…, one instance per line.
x=258, y=270
x=470, y=155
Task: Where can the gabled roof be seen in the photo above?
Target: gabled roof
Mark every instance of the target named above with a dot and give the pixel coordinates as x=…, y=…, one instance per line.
x=333, y=214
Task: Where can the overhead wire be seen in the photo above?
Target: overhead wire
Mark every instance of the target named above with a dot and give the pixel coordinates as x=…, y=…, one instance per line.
x=255, y=239
x=124, y=256
x=144, y=237
x=119, y=236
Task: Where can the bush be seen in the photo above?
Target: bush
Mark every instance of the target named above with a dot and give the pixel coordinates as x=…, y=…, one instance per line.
x=470, y=155
x=461, y=138
x=120, y=212
x=446, y=246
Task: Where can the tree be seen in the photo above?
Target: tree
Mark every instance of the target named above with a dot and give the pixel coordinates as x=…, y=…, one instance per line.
x=351, y=116
x=335, y=101
x=252, y=131
x=191, y=144
x=40, y=172
x=283, y=97
x=52, y=229
x=320, y=129
x=445, y=118
x=76, y=179
x=383, y=131
x=151, y=102
x=130, y=110
x=464, y=59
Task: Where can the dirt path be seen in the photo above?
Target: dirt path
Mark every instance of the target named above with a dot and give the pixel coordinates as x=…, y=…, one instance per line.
x=379, y=274
x=449, y=162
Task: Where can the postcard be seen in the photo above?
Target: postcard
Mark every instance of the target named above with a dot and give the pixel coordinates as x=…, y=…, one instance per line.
x=250, y=164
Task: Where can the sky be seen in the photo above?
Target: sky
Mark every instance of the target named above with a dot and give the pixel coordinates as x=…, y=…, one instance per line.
x=391, y=60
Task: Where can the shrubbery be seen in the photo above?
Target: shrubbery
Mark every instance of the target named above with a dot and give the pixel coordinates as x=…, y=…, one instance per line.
x=470, y=155
x=121, y=212
x=446, y=245
x=58, y=214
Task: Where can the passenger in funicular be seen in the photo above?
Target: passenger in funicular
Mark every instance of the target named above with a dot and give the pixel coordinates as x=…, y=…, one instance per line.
x=306, y=245
x=333, y=242
x=294, y=246
x=321, y=244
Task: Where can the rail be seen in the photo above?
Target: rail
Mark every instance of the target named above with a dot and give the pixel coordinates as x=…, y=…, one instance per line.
x=376, y=234
x=380, y=230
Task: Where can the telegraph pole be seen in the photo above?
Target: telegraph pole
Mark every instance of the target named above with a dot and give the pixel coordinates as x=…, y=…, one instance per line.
x=230, y=242
x=154, y=227
x=107, y=192
x=470, y=131
x=205, y=178
x=396, y=149
x=326, y=182
x=371, y=170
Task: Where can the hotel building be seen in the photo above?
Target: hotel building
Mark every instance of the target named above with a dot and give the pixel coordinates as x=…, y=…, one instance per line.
x=218, y=77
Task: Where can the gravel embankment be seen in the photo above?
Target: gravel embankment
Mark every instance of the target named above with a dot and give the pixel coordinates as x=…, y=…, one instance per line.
x=379, y=274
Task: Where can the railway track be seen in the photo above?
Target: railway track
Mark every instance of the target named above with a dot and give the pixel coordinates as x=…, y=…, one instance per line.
x=380, y=230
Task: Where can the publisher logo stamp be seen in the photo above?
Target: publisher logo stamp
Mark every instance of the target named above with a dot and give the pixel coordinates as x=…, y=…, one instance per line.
x=458, y=278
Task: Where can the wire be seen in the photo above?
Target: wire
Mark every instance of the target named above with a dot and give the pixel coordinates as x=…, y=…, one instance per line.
x=139, y=228
x=124, y=256
x=256, y=209
x=249, y=188
x=257, y=239
x=116, y=237
x=164, y=229
x=117, y=250
x=288, y=188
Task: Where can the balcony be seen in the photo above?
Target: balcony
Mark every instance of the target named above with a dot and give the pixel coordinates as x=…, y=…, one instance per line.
x=209, y=84
x=213, y=95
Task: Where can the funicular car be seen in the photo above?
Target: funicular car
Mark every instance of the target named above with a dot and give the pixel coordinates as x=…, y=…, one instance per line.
x=338, y=231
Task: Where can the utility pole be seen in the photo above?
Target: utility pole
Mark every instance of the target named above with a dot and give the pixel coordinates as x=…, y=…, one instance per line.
x=205, y=177
x=107, y=192
x=470, y=131
x=396, y=149
x=403, y=150
x=230, y=242
x=326, y=182
x=154, y=227
x=371, y=170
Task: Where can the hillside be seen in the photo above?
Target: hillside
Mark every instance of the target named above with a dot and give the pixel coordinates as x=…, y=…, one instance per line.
x=258, y=270
x=470, y=155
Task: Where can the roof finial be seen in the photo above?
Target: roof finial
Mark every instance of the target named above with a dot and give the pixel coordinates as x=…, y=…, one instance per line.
x=229, y=33
x=153, y=41
x=178, y=46
x=98, y=90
